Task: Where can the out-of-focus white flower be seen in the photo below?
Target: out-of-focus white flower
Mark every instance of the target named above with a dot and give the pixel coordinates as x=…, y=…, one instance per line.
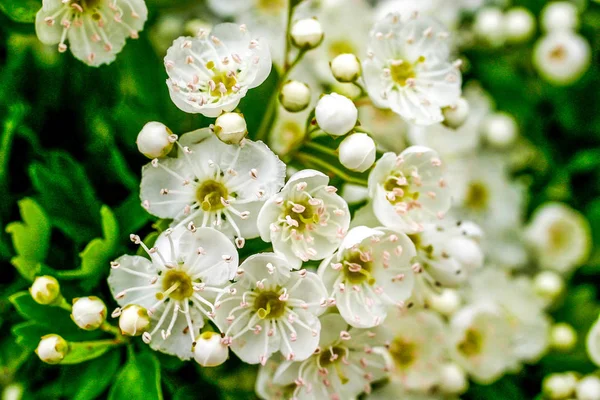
x=355, y=193
x=211, y=72
x=519, y=24
x=357, y=152
x=548, y=285
x=456, y=114
x=370, y=273
x=562, y=58
x=386, y=127
x=209, y=349
x=212, y=184
x=500, y=129
x=489, y=26
x=453, y=379
x=306, y=33
x=588, y=388
x=307, y=220
x=45, y=290
x=409, y=190
x=231, y=128
x=447, y=302
x=52, y=349
x=559, y=236
x=336, y=114
x=155, y=140
x=563, y=337
x=592, y=343
x=271, y=309
x=408, y=70
x=559, y=386
x=345, y=67
x=88, y=312
x=134, y=320
x=185, y=272
x=295, y=96
x=559, y=16
x=95, y=29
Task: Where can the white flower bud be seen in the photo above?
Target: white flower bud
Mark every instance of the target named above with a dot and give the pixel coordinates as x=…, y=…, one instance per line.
x=471, y=230
x=88, y=312
x=588, y=388
x=500, y=129
x=357, y=152
x=563, y=337
x=447, y=302
x=307, y=33
x=294, y=96
x=134, y=320
x=209, y=351
x=488, y=25
x=45, y=290
x=345, y=67
x=467, y=252
x=336, y=114
x=231, y=127
x=559, y=386
x=52, y=349
x=562, y=57
x=456, y=114
x=453, y=379
x=559, y=16
x=519, y=24
x=548, y=285
x=155, y=140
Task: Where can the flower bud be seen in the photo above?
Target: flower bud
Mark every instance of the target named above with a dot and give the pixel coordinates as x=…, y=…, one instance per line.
x=471, y=230
x=453, y=379
x=563, y=337
x=488, y=25
x=447, y=302
x=52, y=349
x=345, y=67
x=467, y=252
x=357, y=152
x=307, y=33
x=155, y=140
x=559, y=16
x=209, y=351
x=134, y=320
x=500, y=129
x=294, y=96
x=519, y=24
x=336, y=114
x=588, y=388
x=456, y=114
x=88, y=312
x=45, y=290
x=548, y=285
x=559, y=386
x=231, y=127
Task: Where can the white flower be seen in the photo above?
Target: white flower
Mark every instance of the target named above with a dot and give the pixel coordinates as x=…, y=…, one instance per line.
x=588, y=388
x=134, y=320
x=519, y=24
x=447, y=302
x=559, y=385
x=489, y=25
x=213, y=184
x=52, y=349
x=408, y=69
x=559, y=16
x=336, y=114
x=295, y=96
x=307, y=220
x=186, y=270
x=442, y=10
x=592, y=343
x=88, y=312
x=209, y=349
x=210, y=73
x=456, y=114
x=231, y=127
x=306, y=33
x=386, y=127
x=500, y=129
x=96, y=29
x=409, y=190
x=563, y=337
x=562, y=58
x=155, y=140
x=453, y=379
x=343, y=367
x=559, y=236
x=45, y=290
x=357, y=152
x=271, y=309
x=346, y=67
x=548, y=285
x=370, y=273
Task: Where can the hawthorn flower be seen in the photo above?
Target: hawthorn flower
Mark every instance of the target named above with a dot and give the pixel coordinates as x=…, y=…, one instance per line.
x=212, y=72
x=212, y=184
x=562, y=58
x=407, y=69
x=271, y=309
x=370, y=273
x=186, y=270
x=409, y=189
x=95, y=29
x=307, y=220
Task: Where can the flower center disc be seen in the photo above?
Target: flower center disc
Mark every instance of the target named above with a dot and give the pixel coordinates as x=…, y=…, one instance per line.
x=357, y=271
x=403, y=352
x=221, y=77
x=304, y=218
x=209, y=195
x=177, y=285
x=268, y=305
x=333, y=356
x=477, y=196
x=401, y=192
x=89, y=4
x=472, y=343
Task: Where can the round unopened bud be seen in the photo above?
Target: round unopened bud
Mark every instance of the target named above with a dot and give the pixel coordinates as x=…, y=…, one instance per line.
x=52, y=349
x=467, y=252
x=294, y=96
x=559, y=386
x=357, y=152
x=588, y=388
x=488, y=25
x=563, y=337
x=447, y=302
x=231, y=127
x=500, y=129
x=88, y=312
x=548, y=285
x=134, y=320
x=456, y=114
x=336, y=114
x=345, y=67
x=453, y=379
x=155, y=140
x=307, y=33
x=519, y=25
x=559, y=16
x=45, y=290
x=209, y=351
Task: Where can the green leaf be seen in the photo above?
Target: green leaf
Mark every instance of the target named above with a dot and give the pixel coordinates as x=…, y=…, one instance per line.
x=131, y=215
x=139, y=379
x=26, y=267
x=85, y=351
x=12, y=356
x=20, y=10
x=89, y=380
x=28, y=334
x=47, y=316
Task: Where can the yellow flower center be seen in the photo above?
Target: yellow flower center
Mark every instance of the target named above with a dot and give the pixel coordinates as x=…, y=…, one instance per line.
x=333, y=357
x=477, y=197
x=402, y=70
x=403, y=352
x=272, y=7
x=222, y=79
x=357, y=271
x=177, y=285
x=268, y=305
x=472, y=344
x=209, y=194
x=307, y=216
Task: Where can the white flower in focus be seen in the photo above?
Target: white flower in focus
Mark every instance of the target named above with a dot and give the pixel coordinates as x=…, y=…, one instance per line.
x=185, y=272
x=95, y=29
x=271, y=309
x=231, y=127
x=88, y=312
x=408, y=69
x=52, y=349
x=562, y=58
x=336, y=114
x=559, y=16
x=307, y=220
x=155, y=140
x=409, y=189
x=209, y=349
x=559, y=236
x=212, y=72
x=212, y=184
x=134, y=320
x=357, y=152
x=370, y=273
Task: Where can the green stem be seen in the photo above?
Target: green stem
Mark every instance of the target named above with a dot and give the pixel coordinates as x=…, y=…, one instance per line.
x=108, y=328
x=324, y=164
x=64, y=304
x=359, y=128
x=322, y=149
x=16, y=114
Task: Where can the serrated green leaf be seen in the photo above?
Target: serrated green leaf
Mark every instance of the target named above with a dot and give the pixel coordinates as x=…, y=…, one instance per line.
x=20, y=10
x=139, y=379
x=84, y=351
x=27, y=268
x=89, y=380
